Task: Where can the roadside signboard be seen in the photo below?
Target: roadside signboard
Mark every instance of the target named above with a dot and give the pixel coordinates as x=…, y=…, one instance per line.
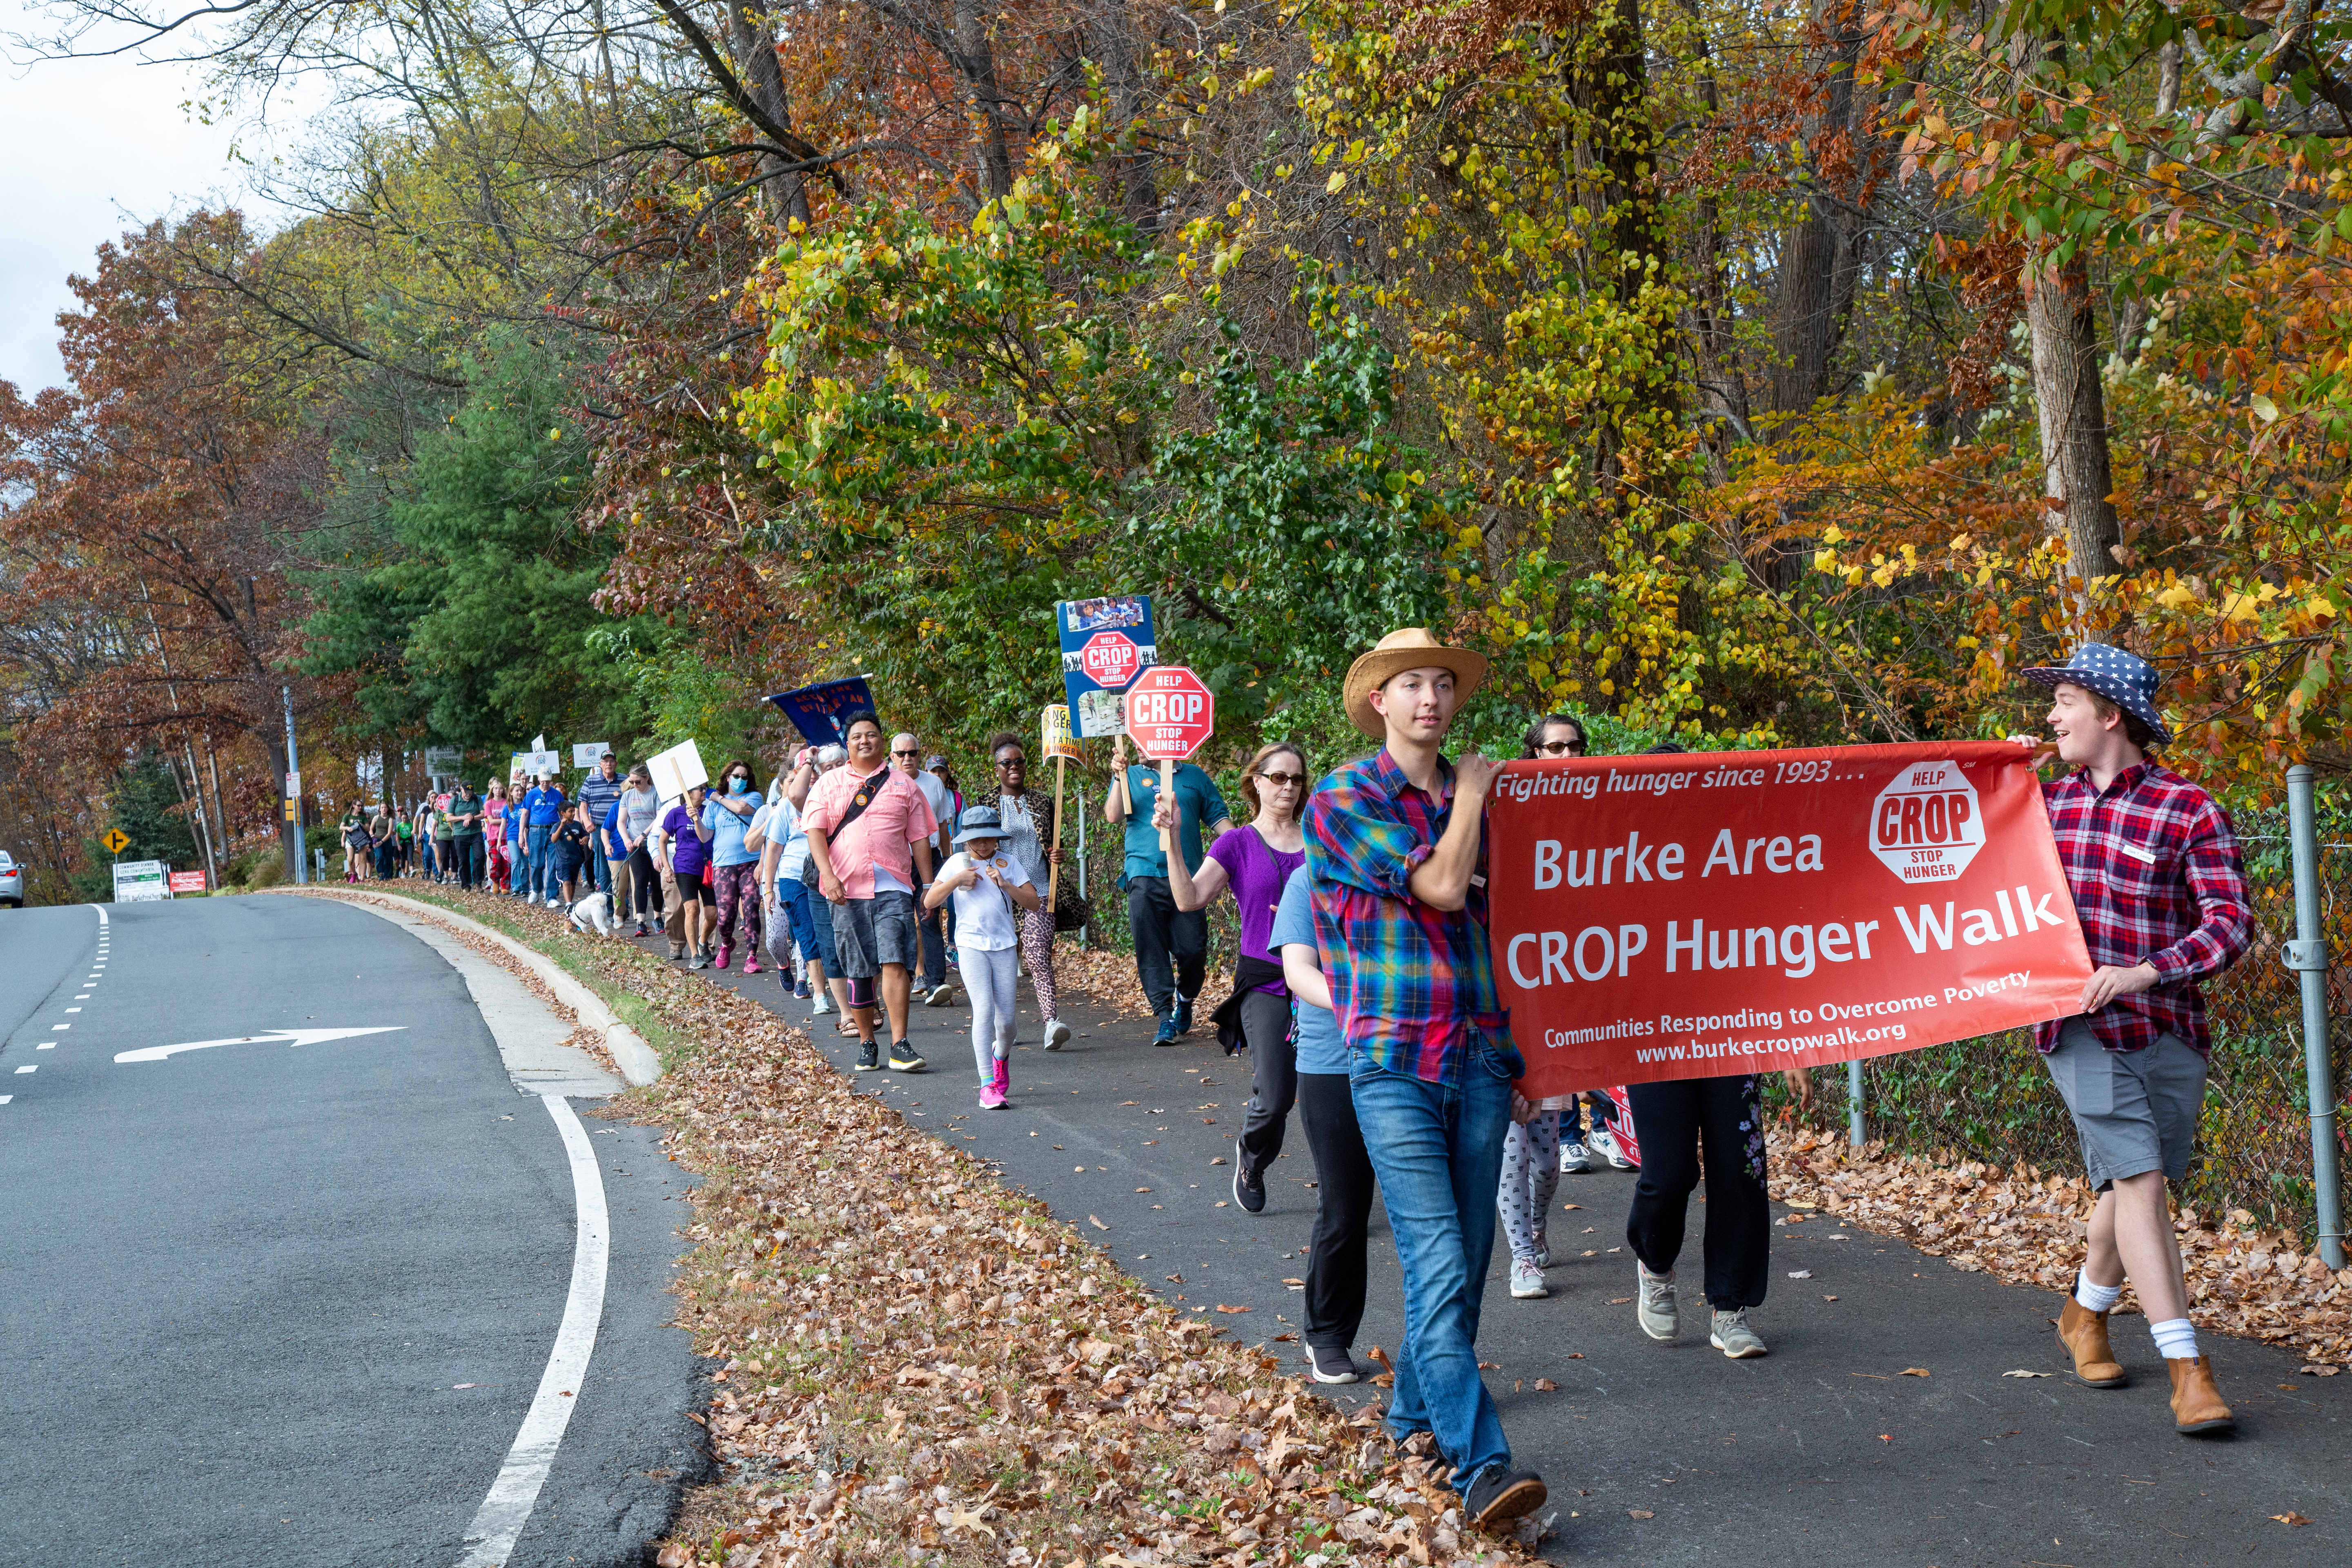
x=187, y=882
x=1105, y=644
x=442, y=760
x=141, y=882
x=678, y=770
x=115, y=840
x=819, y=712
x=1055, y=733
x=1170, y=714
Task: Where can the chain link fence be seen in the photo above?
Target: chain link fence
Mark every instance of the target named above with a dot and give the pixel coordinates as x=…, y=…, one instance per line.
x=1989, y=1099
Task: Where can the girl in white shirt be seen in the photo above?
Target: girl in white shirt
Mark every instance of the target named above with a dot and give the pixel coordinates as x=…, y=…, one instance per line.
x=988, y=885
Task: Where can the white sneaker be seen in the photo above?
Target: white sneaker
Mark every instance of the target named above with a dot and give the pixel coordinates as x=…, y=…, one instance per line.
x=1734, y=1337
x=555, y=903
x=1057, y=1034
x=1574, y=1159
x=1604, y=1143
x=1655, y=1309
x=820, y=1008
x=1527, y=1281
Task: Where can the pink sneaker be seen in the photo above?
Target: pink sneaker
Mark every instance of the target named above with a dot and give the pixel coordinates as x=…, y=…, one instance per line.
x=725, y=953
x=993, y=1097
x=751, y=963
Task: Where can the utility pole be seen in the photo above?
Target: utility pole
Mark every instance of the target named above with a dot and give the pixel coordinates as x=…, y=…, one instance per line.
x=301, y=859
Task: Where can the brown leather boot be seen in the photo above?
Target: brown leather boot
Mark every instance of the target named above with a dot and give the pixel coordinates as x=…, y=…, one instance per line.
x=2083, y=1334
x=2195, y=1403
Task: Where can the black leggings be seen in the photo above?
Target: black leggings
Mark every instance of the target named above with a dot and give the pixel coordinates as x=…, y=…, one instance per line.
x=1672, y=1120
x=647, y=883
x=1343, y=1209
x=1273, y=1073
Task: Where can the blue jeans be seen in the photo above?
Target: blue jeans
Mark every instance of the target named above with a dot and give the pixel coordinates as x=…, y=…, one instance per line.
x=1437, y=1148
x=539, y=885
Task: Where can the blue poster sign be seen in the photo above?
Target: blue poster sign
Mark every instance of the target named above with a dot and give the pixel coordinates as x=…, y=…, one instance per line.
x=1105, y=644
x=818, y=711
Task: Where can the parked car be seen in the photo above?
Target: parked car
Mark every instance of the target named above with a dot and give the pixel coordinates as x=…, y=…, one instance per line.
x=12, y=881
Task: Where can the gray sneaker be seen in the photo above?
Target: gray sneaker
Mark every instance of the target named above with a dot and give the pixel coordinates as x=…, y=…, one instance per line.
x=1734, y=1337
x=1655, y=1309
x=1575, y=1159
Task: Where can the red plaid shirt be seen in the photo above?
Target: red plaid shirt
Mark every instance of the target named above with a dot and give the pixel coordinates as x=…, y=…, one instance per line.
x=2157, y=879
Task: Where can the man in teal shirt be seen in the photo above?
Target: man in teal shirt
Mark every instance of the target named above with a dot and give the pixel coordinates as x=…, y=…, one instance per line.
x=1171, y=946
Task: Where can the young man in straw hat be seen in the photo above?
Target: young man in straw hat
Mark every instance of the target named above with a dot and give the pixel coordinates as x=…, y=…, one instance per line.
x=1395, y=846
x=2160, y=891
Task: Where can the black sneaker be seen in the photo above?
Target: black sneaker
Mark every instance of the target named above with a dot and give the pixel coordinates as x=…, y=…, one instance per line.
x=869, y=1057
x=1499, y=1496
x=1183, y=1014
x=1249, y=1187
x=1330, y=1365
x=904, y=1059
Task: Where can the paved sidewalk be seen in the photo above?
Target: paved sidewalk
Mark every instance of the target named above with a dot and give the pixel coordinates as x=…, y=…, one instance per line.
x=1823, y=1448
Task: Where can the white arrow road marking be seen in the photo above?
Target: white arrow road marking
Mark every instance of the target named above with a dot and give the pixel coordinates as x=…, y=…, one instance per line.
x=274, y=1036
x=490, y=1539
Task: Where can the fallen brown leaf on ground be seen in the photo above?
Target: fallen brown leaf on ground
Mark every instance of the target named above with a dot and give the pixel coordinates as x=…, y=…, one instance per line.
x=2026, y=1228
x=2290, y=1518
x=921, y=1362
x=1915, y=1372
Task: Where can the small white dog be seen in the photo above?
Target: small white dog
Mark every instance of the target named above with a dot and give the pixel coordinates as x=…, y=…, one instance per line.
x=594, y=911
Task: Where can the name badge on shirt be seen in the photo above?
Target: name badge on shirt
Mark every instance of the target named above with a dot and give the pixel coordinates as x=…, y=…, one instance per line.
x=2145, y=856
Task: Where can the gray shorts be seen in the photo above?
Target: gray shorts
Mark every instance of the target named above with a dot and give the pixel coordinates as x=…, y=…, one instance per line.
x=871, y=933
x=2136, y=1110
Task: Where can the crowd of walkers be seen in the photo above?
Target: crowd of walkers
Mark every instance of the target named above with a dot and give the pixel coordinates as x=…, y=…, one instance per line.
x=1364, y=991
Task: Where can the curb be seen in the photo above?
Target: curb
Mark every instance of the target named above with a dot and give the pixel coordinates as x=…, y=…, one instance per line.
x=636, y=1060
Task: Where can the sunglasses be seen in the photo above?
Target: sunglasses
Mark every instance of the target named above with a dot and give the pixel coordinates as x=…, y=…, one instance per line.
x=1011, y=762
x=1561, y=748
x=1281, y=781
x=909, y=753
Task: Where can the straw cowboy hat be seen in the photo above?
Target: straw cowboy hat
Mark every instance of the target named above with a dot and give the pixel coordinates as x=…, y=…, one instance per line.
x=1411, y=647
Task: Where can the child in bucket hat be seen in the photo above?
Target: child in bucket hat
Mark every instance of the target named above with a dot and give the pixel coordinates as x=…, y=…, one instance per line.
x=2159, y=892
x=987, y=885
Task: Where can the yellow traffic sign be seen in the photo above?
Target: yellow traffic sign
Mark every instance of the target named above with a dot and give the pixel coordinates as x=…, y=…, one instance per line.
x=116, y=840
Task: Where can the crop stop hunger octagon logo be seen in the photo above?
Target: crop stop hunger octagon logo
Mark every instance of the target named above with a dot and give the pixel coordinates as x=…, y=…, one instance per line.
x=1925, y=826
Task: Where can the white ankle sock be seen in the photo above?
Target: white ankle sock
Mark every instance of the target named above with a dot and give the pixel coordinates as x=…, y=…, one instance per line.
x=2175, y=1338
x=2095, y=1298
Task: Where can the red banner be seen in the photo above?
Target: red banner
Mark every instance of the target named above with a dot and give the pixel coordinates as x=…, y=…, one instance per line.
x=1686, y=916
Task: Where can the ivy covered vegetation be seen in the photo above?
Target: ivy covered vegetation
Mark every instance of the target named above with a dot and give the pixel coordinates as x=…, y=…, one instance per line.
x=1777, y=375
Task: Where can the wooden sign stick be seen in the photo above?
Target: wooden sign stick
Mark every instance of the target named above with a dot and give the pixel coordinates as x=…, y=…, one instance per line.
x=1168, y=793
x=1053, y=867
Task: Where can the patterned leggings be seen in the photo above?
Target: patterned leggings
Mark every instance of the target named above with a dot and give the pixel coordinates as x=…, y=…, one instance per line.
x=738, y=887
x=1037, y=957
x=1530, y=1176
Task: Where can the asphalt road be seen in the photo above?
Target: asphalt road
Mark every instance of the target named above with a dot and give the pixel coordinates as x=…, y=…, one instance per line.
x=1823, y=1452
x=270, y=1304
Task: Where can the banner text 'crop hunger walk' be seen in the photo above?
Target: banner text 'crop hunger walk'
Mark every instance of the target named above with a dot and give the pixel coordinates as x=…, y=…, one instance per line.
x=1664, y=916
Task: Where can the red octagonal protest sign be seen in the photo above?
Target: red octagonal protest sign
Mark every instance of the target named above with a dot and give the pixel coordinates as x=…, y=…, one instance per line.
x=1109, y=660
x=1170, y=714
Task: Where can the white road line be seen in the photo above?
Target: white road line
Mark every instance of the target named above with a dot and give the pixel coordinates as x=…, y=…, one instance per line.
x=54, y=1027
x=73, y=1009
x=491, y=1537
x=47, y=1046
x=4, y=1099
x=27, y=1068
x=101, y=915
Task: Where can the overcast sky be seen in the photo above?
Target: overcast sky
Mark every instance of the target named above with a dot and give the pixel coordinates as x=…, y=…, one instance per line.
x=93, y=147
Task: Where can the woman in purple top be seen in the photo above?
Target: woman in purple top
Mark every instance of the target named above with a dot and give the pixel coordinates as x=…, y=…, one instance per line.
x=1255, y=862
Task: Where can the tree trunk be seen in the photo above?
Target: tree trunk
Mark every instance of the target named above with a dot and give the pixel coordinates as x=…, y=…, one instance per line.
x=976, y=62
x=1113, y=43
x=2076, y=480
x=785, y=195
x=1820, y=259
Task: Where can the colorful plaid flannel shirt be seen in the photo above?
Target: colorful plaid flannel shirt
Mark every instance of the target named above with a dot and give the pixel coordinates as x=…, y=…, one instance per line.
x=2157, y=879
x=1410, y=983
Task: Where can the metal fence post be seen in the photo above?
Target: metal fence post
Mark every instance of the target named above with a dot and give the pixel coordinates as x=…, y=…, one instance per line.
x=2307, y=954
x=1854, y=1101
